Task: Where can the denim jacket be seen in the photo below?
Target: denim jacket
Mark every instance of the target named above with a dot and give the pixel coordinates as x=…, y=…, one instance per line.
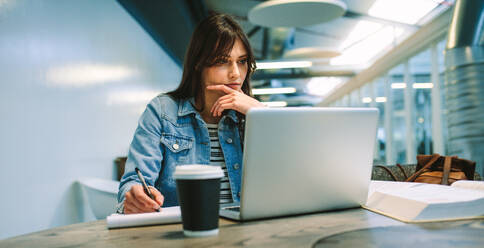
x=171, y=133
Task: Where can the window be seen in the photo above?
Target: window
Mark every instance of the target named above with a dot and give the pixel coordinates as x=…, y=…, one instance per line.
x=354, y=98
x=366, y=96
x=398, y=115
x=379, y=102
x=420, y=68
x=345, y=100
x=441, y=68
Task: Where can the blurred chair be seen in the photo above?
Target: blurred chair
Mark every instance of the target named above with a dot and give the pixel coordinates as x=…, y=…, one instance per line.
x=119, y=163
x=101, y=195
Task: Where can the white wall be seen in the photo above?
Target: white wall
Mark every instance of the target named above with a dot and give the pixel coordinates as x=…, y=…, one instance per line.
x=74, y=78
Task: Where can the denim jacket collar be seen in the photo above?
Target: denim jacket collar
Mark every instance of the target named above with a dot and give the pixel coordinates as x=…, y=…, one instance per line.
x=186, y=107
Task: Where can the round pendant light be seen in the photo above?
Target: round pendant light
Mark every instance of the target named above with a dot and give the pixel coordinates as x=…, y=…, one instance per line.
x=311, y=53
x=295, y=13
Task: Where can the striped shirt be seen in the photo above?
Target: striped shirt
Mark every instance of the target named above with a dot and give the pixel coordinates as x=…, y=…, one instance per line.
x=217, y=158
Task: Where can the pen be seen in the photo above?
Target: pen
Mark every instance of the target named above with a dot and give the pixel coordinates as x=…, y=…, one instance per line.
x=147, y=190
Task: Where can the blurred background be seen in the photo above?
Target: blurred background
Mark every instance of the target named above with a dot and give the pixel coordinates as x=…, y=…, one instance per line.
x=76, y=75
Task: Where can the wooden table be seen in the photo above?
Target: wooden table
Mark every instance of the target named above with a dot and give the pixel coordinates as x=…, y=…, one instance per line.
x=348, y=228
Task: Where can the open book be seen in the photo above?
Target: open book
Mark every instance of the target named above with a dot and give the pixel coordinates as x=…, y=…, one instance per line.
x=421, y=202
x=166, y=216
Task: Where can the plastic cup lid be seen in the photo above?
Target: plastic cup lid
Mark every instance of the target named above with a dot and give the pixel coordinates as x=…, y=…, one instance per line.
x=198, y=171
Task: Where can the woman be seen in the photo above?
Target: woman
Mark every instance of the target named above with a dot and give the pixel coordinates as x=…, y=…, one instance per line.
x=200, y=122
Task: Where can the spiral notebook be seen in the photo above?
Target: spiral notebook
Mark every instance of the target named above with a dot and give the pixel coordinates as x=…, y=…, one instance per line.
x=167, y=215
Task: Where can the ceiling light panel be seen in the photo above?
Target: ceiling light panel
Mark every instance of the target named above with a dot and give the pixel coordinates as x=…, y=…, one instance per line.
x=275, y=104
x=362, y=30
x=271, y=91
x=321, y=86
x=283, y=64
x=407, y=11
x=366, y=50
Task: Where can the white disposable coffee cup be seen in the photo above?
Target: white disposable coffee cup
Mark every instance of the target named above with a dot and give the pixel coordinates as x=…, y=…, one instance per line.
x=198, y=190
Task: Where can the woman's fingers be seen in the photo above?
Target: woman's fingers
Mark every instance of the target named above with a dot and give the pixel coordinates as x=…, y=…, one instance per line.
x=159, y=198
x=131, y=209
x=144, y=205
x=220, y=106
x=137, y=201
x=130, y=206
x=233, y=99
x=222, y=88
x=238, y=102
x=145, y=201
x=222, y=98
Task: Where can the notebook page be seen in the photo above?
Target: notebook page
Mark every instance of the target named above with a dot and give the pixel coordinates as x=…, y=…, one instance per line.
x=166, y=216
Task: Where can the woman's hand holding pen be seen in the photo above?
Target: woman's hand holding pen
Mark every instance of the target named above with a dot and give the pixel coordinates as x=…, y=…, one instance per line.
x=232, y=99
x=137, y=201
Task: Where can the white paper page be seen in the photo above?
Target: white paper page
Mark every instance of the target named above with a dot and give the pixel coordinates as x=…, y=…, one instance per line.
x=166, y=216
x=428, y=193
x=468, y=184
x=384, y=186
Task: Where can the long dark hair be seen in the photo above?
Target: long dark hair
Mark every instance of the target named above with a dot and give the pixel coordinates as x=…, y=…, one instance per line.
x=213, y=38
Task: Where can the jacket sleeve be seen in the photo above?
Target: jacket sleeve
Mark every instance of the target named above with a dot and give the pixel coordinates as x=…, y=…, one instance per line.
x=144, y=152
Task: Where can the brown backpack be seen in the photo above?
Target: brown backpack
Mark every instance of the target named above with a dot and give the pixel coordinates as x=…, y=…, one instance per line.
x=437, y=169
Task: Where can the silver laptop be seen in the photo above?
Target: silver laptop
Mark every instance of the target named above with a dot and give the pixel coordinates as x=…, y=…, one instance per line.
x=303, y=160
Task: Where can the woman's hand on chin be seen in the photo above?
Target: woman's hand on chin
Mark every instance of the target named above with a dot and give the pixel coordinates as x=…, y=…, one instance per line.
x=232, y=99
